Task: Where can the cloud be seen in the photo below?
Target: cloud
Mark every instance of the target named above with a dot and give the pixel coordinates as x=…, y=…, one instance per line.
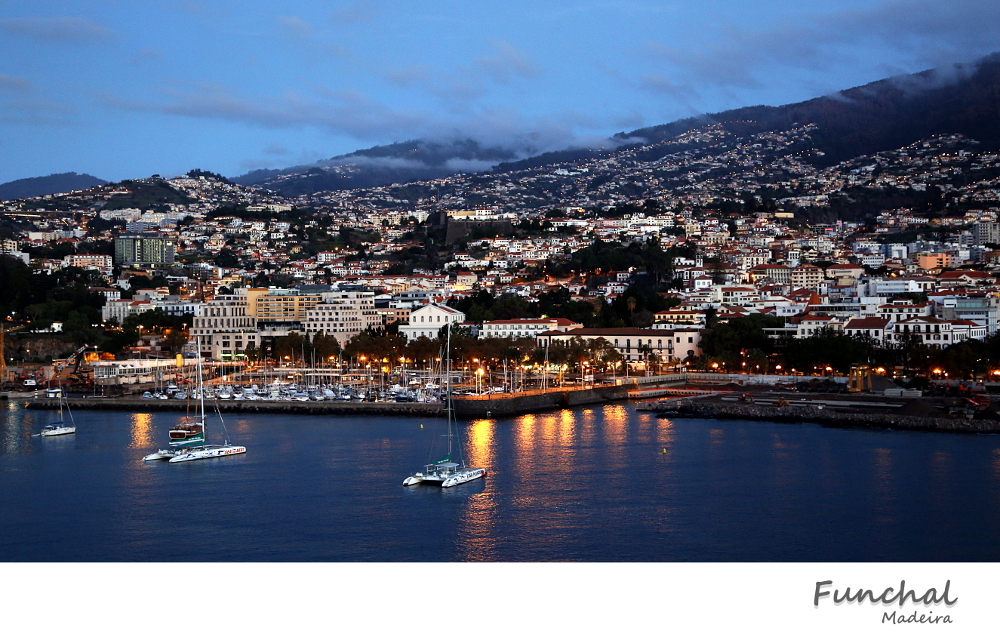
x=507, y=64
x=293, y=27
x=918, y=33
x=459, y=88
x=341, y=112
x=353, y=114
x=70, y=30
x=37, y=111
x=304, y=35
x=13, y=83
x=356, y=13
x=409, y=76
x=276, y=149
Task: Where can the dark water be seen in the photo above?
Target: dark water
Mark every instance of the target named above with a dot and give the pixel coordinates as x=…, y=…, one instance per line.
x=590, y=484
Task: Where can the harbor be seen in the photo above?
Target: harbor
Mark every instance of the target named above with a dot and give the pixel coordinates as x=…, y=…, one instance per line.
x=589, y=483
x=696, y=395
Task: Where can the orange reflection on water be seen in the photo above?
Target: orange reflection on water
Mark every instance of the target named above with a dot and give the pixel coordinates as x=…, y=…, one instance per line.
x=141, y=430
x=479, y=438
x=525, y=428
x=665, y=436
x=567, y=427
x=548, y=431
x=615, y=425
x=476, y=525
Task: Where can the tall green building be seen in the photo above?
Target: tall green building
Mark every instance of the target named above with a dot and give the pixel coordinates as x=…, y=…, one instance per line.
x=144, y=249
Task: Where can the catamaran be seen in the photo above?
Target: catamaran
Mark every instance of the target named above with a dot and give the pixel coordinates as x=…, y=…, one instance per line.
x=447, y=472
x=187, y=441
x=57, y=428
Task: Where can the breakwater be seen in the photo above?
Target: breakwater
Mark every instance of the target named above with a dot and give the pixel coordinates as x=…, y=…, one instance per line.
x=502, y=405
x=251, y=407
x=826, y=417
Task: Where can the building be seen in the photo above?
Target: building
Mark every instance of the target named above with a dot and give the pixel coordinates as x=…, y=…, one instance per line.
x=938, y=333
x=103, y=263
x=284, y=306
x=877, y=328
x=428, y=321
x=807, y=276
x=226, y=327
x=343, y=315
x=634, y=344
x=986, y=233
x=517, y=328
x=144, y=249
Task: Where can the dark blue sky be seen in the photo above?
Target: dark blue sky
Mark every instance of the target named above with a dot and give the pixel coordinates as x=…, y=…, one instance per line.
x=122, y=89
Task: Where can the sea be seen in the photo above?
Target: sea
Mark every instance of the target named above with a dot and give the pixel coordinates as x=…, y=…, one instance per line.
x=601, y=483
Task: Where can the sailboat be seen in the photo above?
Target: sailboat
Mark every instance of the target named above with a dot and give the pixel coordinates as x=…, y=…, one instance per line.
x=206, y=451
x=447, y=472
x=187, y=440
x=190, y=432
x=57, y=428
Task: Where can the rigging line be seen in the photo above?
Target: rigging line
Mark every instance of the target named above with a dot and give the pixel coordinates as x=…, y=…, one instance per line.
x=225, y=432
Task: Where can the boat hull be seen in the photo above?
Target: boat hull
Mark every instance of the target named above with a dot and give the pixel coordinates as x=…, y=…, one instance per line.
x=464, y=476
x=59, y=431
x=446, y=479
x=209, y=452
x=161, y=455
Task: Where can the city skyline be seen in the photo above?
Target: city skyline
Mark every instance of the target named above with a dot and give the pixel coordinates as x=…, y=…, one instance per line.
x=119, y=91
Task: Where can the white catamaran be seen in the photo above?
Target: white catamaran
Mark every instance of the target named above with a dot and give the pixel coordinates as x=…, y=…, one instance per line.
x=57, y=428
x=446, y=472
x=187, y=441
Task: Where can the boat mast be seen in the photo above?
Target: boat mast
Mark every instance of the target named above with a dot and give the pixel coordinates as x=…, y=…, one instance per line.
x=201, y=384
x=447, y=386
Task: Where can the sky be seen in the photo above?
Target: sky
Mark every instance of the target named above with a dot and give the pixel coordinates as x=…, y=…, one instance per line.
x=125, y=90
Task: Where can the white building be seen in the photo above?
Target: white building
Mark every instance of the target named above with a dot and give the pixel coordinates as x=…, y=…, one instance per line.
x=226, y=327
x=515, y=328
x=428, y=321
x=343, y=315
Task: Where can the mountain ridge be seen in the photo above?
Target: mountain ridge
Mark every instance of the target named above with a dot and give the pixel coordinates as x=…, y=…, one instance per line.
x=48, y=185
x=888, y=113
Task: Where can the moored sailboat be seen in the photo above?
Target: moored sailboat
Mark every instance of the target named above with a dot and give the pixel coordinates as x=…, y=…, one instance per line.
x=59, y=428
x=187, y=440
x=447, y=472
x=207, y=451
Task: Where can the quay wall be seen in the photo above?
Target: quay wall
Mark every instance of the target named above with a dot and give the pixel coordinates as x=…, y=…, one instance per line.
x=501, y=405
x=826, y=417
x=251, y=407
x=496, y=405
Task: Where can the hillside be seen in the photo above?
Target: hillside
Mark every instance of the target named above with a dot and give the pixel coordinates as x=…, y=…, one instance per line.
x=379, y=165
x=55, y=183
x=891, y=113
x=875, y=117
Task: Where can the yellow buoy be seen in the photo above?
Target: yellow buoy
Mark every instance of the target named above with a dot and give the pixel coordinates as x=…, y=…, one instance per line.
x=421, y=426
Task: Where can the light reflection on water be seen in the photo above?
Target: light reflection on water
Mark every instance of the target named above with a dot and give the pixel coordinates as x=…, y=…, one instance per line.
x=142, y=431
x=18, y=428
x=478, y=517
